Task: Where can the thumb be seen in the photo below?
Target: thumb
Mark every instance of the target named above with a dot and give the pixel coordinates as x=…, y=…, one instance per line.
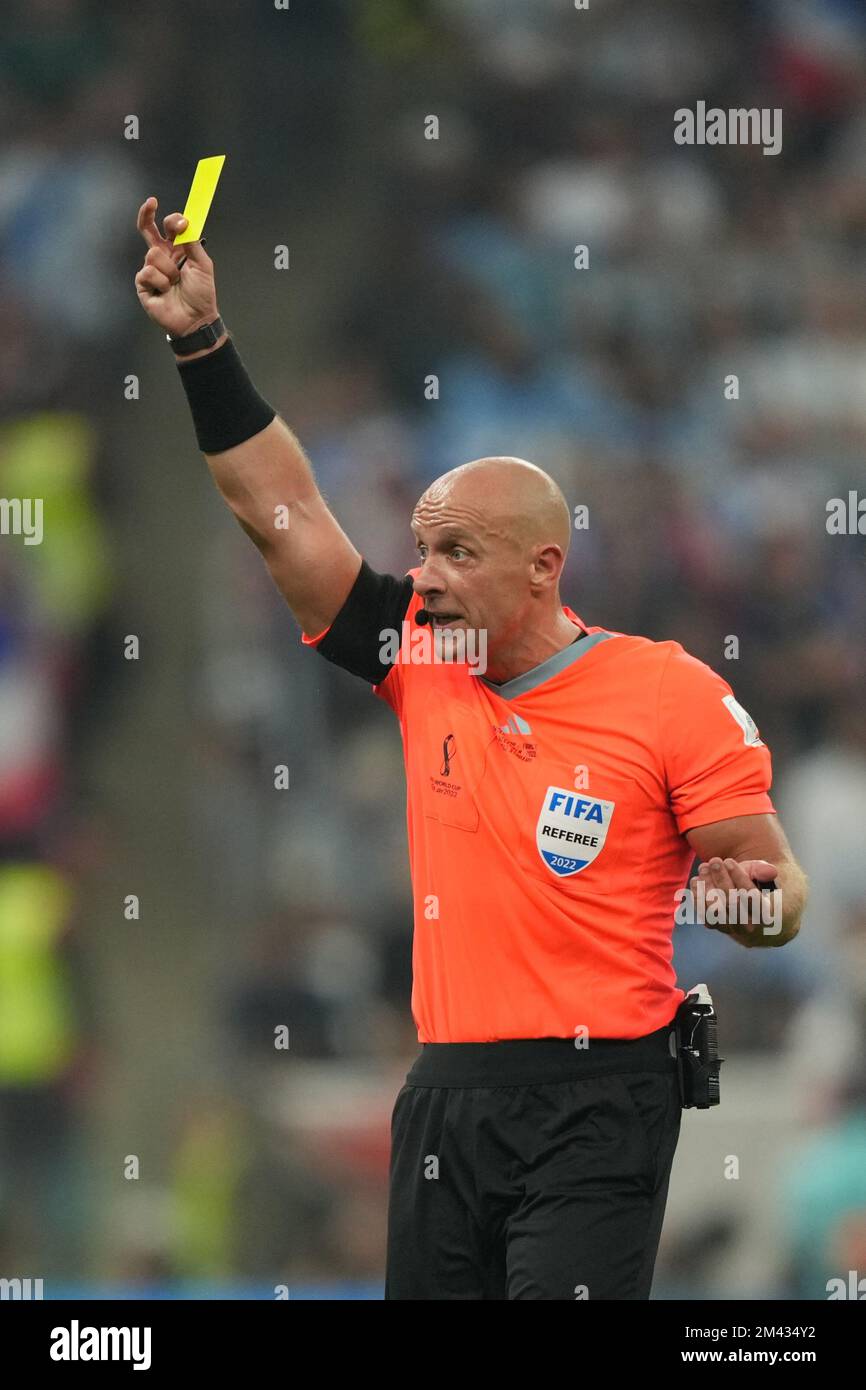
x=761, y=870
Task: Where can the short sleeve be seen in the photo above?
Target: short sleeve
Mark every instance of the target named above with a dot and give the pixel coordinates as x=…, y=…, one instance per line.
x=716, y=764
x=356, y=639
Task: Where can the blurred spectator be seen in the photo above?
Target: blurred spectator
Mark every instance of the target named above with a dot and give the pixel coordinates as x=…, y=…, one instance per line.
x=41, y=1155
x=822, y=800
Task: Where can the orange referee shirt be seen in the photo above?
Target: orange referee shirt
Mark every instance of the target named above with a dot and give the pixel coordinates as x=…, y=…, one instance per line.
x=546, y=821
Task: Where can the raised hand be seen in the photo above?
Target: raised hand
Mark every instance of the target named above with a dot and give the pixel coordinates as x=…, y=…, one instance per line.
x=179, y=300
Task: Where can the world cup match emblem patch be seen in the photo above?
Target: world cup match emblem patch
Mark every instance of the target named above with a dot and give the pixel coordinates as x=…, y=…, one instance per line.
x=571, y=830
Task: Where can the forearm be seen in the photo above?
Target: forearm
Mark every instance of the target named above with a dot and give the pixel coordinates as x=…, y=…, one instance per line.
x=265, y=481
x=255, y=460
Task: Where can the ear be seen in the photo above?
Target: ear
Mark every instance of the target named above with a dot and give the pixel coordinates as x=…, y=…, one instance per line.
x=547, y=565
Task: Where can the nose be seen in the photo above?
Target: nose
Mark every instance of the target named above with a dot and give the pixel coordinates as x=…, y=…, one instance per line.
x=428, y=581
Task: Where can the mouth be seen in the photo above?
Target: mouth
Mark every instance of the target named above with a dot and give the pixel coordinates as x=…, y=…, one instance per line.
x=444, y=619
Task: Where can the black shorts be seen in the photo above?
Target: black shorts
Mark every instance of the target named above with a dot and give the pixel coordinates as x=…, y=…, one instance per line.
x=532, y=1169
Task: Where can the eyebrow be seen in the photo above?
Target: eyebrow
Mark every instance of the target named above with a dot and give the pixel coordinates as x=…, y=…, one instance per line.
x=447, y=538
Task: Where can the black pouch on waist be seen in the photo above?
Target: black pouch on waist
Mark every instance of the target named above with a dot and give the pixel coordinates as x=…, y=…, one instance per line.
x=698, y=1059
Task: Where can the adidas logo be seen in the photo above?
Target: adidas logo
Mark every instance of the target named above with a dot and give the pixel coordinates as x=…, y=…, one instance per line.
x=515, y=725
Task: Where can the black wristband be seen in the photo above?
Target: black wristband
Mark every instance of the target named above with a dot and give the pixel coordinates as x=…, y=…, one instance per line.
x=226, y=407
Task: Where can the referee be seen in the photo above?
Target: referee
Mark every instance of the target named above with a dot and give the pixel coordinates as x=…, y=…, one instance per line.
x=558, y=792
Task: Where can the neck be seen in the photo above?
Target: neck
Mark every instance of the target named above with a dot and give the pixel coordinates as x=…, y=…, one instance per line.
x=529, y=649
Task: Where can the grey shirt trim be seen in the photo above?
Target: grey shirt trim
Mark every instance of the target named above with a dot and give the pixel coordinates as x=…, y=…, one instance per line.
x=551, y=667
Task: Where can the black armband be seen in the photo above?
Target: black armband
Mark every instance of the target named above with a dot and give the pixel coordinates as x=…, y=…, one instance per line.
x=376, y=603
x=226, y=407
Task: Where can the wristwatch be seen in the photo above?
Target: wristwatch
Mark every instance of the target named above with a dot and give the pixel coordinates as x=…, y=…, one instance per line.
x=194, y=342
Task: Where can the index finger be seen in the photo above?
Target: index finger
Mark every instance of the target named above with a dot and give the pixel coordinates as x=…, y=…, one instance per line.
x=147, y=223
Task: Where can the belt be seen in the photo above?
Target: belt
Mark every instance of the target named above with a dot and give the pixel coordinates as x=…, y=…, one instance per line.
x=537, y=1061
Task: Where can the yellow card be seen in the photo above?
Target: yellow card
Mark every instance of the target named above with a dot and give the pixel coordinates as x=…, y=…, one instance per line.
x=200, y=197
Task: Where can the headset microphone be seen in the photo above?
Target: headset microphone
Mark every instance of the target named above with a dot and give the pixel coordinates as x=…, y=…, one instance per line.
x=422, y=616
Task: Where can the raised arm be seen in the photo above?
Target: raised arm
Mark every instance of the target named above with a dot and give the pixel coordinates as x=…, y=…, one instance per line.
x=256, y=462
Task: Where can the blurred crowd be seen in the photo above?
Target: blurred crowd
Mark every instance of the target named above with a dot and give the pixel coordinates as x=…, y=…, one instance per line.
x=458, y=325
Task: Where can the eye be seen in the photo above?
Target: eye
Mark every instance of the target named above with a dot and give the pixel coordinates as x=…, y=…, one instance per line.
x=456, y=550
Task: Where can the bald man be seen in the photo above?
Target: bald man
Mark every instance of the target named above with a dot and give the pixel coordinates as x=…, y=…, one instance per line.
x=520, y=526
x=557, y=795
